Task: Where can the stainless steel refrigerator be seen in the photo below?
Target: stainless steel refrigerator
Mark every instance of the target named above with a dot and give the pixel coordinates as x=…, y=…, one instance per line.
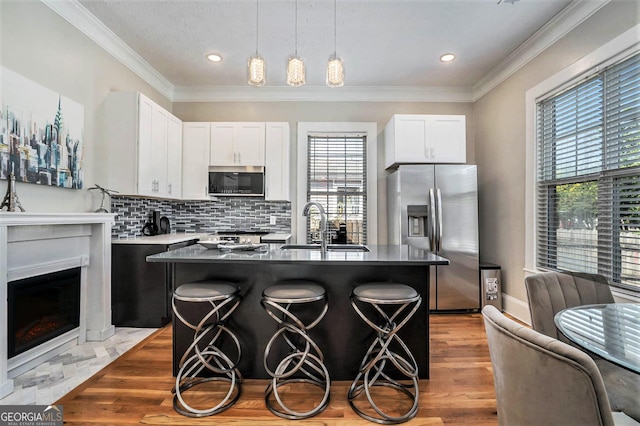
x=435, y=207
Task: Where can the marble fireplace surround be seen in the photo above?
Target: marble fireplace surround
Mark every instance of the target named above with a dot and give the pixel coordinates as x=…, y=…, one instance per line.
x=39, y=243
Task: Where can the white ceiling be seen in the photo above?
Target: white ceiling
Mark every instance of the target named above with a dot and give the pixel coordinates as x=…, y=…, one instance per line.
x=386, y=45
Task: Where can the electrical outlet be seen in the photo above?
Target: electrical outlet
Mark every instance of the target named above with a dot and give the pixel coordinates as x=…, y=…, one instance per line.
x=272, y=220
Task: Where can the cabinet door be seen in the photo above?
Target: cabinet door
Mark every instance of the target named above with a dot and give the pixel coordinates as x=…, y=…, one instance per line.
x=158, y=152
x=411, y=139
x=446, y=139
x=222, y=148
x=277, y=162
x=174, y=157
x=146, y=178
x=249, y=144
x=195, y=160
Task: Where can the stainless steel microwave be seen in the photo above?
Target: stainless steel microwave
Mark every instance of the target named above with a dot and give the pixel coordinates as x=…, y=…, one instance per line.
x=245, y=181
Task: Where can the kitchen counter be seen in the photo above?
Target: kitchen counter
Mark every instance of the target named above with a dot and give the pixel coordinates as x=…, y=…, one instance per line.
x=379, y=255
x=163, y=239
x=342, y=335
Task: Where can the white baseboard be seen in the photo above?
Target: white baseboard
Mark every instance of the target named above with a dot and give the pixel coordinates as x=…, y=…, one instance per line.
x=516, y=308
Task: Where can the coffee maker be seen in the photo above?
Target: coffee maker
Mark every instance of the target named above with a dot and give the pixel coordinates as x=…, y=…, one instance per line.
x=151, y=227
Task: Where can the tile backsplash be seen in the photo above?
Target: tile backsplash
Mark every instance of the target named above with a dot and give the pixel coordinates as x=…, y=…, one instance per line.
x=226, y=214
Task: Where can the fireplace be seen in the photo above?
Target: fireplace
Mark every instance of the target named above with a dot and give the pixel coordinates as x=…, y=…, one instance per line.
x=41, y=308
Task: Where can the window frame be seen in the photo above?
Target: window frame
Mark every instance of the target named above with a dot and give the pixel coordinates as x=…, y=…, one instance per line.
x=614, y=51
x=371, y=132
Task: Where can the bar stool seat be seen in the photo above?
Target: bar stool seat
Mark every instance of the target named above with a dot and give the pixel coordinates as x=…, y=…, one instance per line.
x=305, y=361
x=204, y=352
x=394, y=305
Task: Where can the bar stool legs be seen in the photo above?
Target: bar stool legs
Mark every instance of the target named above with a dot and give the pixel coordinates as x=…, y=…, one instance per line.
x=305, y=361
x=387, y=349
x=204, y=352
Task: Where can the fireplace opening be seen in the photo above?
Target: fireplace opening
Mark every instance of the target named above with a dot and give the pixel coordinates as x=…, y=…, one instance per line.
x=41, y=308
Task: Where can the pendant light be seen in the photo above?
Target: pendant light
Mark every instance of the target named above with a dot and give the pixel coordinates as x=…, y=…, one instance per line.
x=295, y=66
x=257, y=67
x=335, y=67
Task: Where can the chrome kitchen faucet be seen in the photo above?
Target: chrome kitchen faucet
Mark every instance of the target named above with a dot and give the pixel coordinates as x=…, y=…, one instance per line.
x=323, y=224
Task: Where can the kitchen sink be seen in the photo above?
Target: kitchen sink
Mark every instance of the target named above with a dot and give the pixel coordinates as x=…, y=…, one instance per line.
x=347, y=247
x=330, y=247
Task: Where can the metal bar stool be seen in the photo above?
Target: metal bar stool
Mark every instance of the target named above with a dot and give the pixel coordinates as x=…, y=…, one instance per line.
x=395, y=304
x=204, y=351
x=305, y=362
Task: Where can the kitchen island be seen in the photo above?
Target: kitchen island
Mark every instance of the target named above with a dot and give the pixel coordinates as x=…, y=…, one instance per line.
x=342, y=335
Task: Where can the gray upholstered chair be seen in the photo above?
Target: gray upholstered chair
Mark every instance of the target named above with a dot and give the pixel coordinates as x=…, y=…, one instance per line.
x=540, y=380
x=550, y=292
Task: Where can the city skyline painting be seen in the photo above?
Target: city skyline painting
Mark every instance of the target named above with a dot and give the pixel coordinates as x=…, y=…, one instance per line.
x=41, y=134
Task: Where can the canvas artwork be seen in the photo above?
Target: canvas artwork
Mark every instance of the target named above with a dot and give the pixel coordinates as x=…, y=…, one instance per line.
x=41, y=134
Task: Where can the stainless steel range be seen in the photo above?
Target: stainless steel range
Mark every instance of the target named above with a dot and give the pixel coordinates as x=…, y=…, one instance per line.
x=240, y=237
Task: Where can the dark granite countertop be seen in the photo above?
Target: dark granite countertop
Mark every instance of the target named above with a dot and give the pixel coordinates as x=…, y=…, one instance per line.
x=379, y=254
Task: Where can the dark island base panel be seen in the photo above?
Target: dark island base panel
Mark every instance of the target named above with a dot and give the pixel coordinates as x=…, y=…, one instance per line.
x=342, y=335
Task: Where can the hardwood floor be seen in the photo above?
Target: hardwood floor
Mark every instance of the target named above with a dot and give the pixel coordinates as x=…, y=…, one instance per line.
x=136, y=388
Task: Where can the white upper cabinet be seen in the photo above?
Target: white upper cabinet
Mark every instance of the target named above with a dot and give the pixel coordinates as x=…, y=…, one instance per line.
x=146, y=180
x=174, y=157
x=195, y=160
x=237, y=144
x=411, y=139
x=277, y=180
x=137, y=131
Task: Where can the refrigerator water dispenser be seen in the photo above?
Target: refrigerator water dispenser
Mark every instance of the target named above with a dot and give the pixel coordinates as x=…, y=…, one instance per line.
x=418, y=220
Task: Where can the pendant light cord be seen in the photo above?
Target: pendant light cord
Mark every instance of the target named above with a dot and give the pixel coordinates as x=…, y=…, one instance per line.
x=257, y=26
x=335, y=31
x=296, y=28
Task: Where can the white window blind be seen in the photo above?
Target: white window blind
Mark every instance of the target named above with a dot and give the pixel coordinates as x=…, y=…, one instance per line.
x=337, y=179
x=588, y=185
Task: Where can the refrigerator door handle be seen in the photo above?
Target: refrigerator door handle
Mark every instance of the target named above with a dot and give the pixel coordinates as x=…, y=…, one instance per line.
x=439, y=244
x=432, y=234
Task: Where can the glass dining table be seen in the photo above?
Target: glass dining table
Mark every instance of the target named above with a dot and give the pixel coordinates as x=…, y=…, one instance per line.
x=610, y=330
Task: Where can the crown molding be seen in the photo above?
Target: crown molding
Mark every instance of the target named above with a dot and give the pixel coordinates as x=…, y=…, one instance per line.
x=78, y=16
x=570, y=17
x=321, y=94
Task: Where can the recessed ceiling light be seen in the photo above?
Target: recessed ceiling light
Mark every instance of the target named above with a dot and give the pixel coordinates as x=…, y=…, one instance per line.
x=447, y=57
x=214, y=57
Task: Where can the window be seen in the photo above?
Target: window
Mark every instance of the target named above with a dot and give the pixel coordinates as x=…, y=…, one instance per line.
x=338, y=162
x=337, y=179
x=588, y=176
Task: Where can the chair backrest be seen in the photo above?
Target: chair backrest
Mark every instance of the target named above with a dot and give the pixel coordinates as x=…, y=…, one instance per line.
x=540, y=380
x=550, y=292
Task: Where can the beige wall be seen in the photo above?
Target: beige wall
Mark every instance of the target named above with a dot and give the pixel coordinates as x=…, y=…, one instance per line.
x=41, y=46
x=499, y=130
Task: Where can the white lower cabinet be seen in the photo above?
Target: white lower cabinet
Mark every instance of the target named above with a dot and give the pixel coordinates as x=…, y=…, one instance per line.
x=142, y=137
x=195, y=160
x=277, y=154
